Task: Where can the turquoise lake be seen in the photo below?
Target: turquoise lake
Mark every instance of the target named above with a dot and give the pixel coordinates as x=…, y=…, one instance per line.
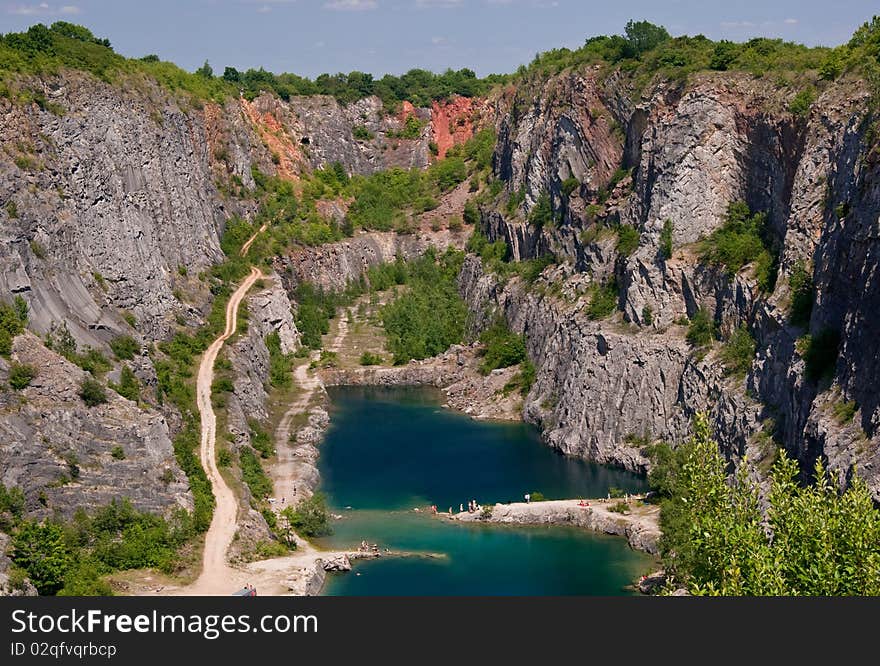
x=390, y=450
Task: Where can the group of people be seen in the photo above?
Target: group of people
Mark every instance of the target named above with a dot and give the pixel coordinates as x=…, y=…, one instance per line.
x=368, y=547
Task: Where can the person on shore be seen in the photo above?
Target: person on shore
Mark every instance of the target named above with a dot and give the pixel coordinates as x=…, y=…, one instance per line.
x=461, y=508
x=528, y=498
x=450, y=511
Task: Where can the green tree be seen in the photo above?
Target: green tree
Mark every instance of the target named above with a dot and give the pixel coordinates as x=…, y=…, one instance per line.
x=205, y=71
x=40, y=550
x=310, y=518
x=642, y=36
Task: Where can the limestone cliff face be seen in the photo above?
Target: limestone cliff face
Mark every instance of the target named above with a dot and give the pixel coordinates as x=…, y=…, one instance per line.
x=691, y=150
x=65, y=455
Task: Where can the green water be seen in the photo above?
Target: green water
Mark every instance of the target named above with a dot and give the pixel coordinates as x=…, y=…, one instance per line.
x=389, y=450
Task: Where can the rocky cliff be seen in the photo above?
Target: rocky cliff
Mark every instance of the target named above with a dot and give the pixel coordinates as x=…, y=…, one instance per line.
x=677, y=156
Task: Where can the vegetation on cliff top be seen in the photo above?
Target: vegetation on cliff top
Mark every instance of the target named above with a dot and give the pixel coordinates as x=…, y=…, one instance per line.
x=63, y=45
x=718, y=540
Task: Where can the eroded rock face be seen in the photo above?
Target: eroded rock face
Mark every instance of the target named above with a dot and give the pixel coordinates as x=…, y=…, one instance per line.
x=64, y=455
x=692, y=150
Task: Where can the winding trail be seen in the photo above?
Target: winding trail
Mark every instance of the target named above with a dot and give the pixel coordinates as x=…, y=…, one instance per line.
x=216, y=573
x=284, y=472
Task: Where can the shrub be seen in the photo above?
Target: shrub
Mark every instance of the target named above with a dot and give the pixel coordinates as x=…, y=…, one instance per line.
x=503, y=347
x=603, y=300
x=701, y=330
x=280, y=364
x=619, y=507
x=368, y=358
x=21, y=375
x=569, y=185
x=361, y=133
x=310, y=518
x=627, y=239
x=40, y=550
x=260, y=439
x=802, y=295
x=742, y=239
x=666, y=240
x=537, y=496
x=117, y=452
x=128, y=386
x=252, y=473
x=647, y=315
x=13, y=319
x=844, y=411
x=541, y=214
x=523, y=380
x=723, y=536
x=92, y=392
x=471, y=214
x=124, y=347
x=738, y=352
x=800, y=105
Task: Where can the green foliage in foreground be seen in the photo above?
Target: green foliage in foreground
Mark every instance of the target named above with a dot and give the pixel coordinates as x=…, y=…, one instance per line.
x=815, y=541
x=744, y=238
x=504, y=348
x=310, y=517
x=70, y=559
x=431, y=315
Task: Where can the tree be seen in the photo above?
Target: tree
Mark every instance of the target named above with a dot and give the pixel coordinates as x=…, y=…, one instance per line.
x=39, y=549
x=205, y=71
x=232, y=75
x=310, y=517
x=642, y=36
x=716, y=539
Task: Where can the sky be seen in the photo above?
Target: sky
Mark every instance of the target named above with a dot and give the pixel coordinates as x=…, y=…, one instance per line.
x=309, y=37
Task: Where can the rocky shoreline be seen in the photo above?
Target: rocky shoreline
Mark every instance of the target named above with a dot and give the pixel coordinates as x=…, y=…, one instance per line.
x=640, y=526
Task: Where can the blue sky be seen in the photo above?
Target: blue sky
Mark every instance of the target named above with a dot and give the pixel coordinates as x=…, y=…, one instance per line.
x=313, y=36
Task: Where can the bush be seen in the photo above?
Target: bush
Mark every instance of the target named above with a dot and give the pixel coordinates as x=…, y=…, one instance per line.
x=537, y=496
x=117, y=452
x=40, y=550
x=503, y=347
x=13, y=319
x=742, y=239
x=666, y=240
x=471, y=214
x=361, y=133
x=738, y=352
x=368, y=358
x=718, y=539
x=129, y=386
x=124, y=347
x=310, y=518
x=603, y=300
x=541, y=214
x=92, y=392
x=800, y=105
x=21, y=375
x=701, y=330
x=619, y=507
x=260, y=439
x=627, y=240
x=802, y=295
x=280, y=364
x=844, y=411
x=647, y=315
x=253, y=475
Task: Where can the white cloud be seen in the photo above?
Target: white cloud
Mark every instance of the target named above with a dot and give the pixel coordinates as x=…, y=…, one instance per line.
x=790, y=21
x=436, y=41
x=351, y=5
x=43, y=9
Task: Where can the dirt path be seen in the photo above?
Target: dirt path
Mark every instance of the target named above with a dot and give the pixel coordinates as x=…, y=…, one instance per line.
x=249, y=242
x=214, y=578
x=285, y=475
